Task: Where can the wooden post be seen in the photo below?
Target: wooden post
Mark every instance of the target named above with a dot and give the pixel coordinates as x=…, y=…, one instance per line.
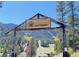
x=14, y=43
x=64, y=37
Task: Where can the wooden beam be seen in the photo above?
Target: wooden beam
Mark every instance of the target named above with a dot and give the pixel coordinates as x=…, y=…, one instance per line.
x=37, y=30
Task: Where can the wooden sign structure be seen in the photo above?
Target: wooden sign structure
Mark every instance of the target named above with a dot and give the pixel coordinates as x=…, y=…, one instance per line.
x=34, y=24
x=38, y=23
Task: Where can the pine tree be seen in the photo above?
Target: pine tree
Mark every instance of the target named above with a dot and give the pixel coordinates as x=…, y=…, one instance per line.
x=0, y=4
x=71, y=22
x=61, y=12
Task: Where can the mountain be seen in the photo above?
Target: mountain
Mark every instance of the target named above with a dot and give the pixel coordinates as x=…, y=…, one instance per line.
x=36, y=35
x=7, y=27
x=4, y=41
x=47, y=35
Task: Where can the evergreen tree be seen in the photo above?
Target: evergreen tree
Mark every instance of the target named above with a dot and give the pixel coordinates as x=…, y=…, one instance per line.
x=61, y=12
x=71, y=22
x=0, y=4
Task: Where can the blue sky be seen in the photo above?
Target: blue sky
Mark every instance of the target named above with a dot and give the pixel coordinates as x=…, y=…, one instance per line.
x=17, y=12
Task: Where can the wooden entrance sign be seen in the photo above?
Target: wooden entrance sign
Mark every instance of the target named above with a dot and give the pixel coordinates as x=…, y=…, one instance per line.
x=40, y=23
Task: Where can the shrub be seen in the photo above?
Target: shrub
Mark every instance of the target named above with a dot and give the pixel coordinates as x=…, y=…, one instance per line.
x=70, y=50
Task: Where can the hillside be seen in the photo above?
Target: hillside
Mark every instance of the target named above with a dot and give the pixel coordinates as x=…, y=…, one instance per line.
x=7, y=27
